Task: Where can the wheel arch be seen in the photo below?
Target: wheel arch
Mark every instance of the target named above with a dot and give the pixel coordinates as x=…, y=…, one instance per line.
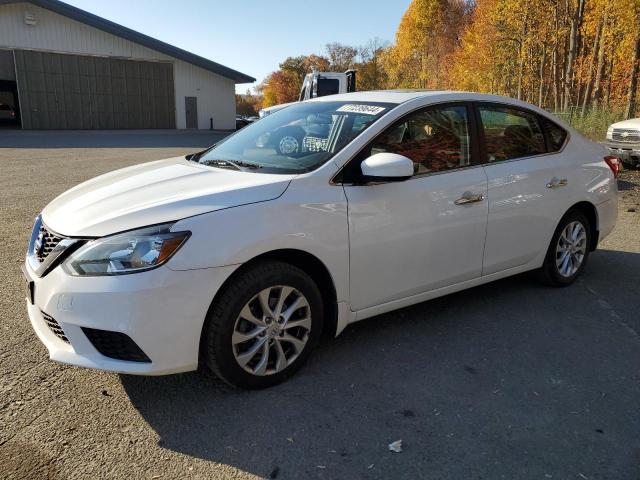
x=589, y=210
x=306, y=262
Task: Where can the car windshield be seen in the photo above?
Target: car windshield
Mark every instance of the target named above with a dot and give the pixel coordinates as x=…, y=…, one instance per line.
x=296, y=139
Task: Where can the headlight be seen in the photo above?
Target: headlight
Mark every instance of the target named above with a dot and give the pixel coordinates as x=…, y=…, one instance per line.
x=128, y=252
x=610, y=133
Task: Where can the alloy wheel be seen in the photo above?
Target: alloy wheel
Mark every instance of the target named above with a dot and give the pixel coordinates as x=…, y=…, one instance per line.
x=271, y=330
x=571, y=248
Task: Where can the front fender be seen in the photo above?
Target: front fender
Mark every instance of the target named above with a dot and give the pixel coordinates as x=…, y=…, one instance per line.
x=310, y=216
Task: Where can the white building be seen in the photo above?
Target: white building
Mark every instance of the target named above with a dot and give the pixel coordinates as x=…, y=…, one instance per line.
x=64, y=68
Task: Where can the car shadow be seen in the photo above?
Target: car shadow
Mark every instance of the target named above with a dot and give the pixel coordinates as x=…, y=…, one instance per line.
x=509, y=379
x=628, y=180
x=109, y=138
x=626, y=185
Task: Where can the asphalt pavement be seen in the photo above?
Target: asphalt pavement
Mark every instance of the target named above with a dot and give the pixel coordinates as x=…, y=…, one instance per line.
x=510, y=380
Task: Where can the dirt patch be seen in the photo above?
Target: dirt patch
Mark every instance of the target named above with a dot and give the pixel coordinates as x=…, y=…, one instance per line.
x=20, y=461
x=629, y=188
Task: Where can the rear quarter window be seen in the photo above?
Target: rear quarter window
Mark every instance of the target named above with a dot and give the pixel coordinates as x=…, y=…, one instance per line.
x=556, y=135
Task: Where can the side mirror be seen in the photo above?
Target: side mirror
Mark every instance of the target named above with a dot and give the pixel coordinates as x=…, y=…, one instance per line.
x=387, y=167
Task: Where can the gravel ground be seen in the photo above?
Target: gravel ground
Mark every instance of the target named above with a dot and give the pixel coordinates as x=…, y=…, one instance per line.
x=507, y=380
x=626, y=236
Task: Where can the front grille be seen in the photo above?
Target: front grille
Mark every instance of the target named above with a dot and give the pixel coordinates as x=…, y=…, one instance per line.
x=54, y=326
x=115, y=345
x=48, y=241
x=626, y=135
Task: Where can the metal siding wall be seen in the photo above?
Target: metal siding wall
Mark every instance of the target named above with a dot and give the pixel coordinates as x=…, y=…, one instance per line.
x=25, y=103
x=7, y=69
x=170, y=114
x=61, y=91
x=57, y=33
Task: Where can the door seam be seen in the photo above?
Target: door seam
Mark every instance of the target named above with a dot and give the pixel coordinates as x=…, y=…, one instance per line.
x=486, y=225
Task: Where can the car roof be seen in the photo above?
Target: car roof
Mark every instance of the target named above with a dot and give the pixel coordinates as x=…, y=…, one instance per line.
x=386, y=96
x=402, y=96
x=436, y=96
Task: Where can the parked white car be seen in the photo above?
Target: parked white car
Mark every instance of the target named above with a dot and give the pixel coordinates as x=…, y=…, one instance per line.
x=623, y=140
x=320, y=215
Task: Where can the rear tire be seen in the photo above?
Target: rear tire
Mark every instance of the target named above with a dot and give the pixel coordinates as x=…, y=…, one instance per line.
x=568, y=252
x=264, y=324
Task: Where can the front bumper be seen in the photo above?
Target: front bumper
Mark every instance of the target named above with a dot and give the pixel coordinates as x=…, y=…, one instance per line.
x=628, y=153
x=161, y=310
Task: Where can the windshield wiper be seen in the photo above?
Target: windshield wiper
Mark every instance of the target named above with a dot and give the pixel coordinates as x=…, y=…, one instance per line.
x=248, y=164
x=194, y=157
x=237, y=164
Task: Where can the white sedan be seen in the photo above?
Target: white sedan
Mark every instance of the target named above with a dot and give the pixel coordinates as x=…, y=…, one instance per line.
x=320, y=215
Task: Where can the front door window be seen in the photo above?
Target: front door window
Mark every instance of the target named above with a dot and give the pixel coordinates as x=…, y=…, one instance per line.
x=435, y=139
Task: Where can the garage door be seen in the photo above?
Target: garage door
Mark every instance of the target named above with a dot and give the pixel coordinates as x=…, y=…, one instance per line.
x=59, y=91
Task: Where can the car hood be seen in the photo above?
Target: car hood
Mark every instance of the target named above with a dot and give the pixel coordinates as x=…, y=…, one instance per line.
x=631, y=123
x=153, y=193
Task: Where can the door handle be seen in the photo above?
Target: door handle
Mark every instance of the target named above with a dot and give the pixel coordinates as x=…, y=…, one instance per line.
x=468, y=197
x=556, y=182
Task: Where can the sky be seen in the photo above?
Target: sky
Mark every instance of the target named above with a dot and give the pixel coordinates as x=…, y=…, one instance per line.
x=254, y=36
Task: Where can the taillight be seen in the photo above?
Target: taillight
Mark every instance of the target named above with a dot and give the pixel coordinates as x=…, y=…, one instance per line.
x=614, y=164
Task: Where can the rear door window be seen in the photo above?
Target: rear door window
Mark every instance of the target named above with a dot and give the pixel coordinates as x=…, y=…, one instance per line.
x=510, y=133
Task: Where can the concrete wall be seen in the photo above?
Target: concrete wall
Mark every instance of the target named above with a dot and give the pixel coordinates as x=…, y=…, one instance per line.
x=56, y=33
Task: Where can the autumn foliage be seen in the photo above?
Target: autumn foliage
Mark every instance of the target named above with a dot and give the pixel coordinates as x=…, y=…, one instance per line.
x=284, y=85
x=560, y=54
x=557, y=54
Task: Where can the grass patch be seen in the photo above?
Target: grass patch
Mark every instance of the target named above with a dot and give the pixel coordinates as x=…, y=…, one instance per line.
x=595, y=121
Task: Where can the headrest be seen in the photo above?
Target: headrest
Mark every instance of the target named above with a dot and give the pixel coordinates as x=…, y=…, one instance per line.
x=517, y=131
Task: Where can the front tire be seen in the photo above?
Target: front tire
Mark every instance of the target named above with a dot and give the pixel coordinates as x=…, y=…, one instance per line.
x=263, y=325
x=569, y=250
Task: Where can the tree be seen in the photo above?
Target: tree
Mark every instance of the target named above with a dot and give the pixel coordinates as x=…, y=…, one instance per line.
x=296, y=66
x=597, y=55
x=426, y=39
x=630, y=109
x=316, y=62
x=574, y=38
x=371, y=74
x=282, y=86
x=478, y=62
x=341, y=57
x=556, y=53
x=248, y=104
